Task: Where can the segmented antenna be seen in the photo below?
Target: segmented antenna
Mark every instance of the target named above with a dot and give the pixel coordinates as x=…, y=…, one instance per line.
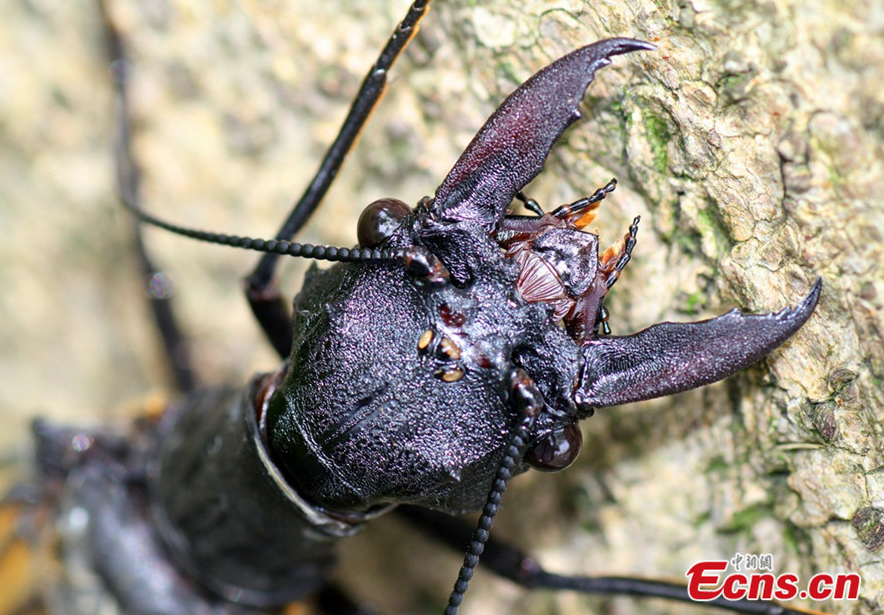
x=129, y=177
x=514, y=450
x=288, y=248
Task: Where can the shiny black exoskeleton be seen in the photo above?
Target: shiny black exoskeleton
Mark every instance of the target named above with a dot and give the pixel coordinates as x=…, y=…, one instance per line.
x=457, y=346
x=397, y=388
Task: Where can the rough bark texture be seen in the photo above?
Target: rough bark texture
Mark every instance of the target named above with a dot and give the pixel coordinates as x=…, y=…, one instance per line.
x=750, y=143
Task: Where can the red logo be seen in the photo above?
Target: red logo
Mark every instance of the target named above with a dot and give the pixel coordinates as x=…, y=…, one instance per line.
x=707, y=581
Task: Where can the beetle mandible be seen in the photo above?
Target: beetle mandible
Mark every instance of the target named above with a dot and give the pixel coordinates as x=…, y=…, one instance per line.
x=411, y=364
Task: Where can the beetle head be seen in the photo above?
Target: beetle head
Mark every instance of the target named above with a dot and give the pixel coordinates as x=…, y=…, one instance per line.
x=509, y=151
x=401, y=382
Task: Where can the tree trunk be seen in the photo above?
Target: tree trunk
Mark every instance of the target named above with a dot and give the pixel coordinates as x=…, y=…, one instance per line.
x=750, y=143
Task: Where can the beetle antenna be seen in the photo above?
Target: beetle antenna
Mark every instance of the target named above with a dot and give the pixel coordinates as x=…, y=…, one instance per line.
x=288, y=248
x=514, y=450
x=528, y=401
x=129, y=176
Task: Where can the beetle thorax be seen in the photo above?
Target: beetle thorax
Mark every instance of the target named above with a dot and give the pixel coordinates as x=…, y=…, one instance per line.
x=395, y=389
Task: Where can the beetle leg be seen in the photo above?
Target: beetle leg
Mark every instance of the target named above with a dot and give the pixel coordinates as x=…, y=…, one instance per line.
x=611, y=262
x=578, y=214
x=602, y=320
x=128, y=184
x=333, y=599
x=581, y=212
x=669, y=358
x=530, y=204
x=268, y=306
x=623, y=254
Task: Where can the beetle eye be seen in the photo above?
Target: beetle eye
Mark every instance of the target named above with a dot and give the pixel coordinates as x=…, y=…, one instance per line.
x=379, y=220
x=555, y=451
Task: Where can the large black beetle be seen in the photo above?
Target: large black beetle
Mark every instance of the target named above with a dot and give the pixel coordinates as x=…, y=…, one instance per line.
x=398, y=383
x=458, y=345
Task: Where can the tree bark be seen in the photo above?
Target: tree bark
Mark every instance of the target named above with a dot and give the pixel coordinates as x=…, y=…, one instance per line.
x=750, y=143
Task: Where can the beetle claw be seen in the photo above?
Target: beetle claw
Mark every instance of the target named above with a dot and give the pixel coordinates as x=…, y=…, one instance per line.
x=672, y=357
x=509, y=150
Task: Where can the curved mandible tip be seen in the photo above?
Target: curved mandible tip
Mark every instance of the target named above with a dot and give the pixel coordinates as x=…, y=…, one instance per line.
x=673, y=357
x=509, y=150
